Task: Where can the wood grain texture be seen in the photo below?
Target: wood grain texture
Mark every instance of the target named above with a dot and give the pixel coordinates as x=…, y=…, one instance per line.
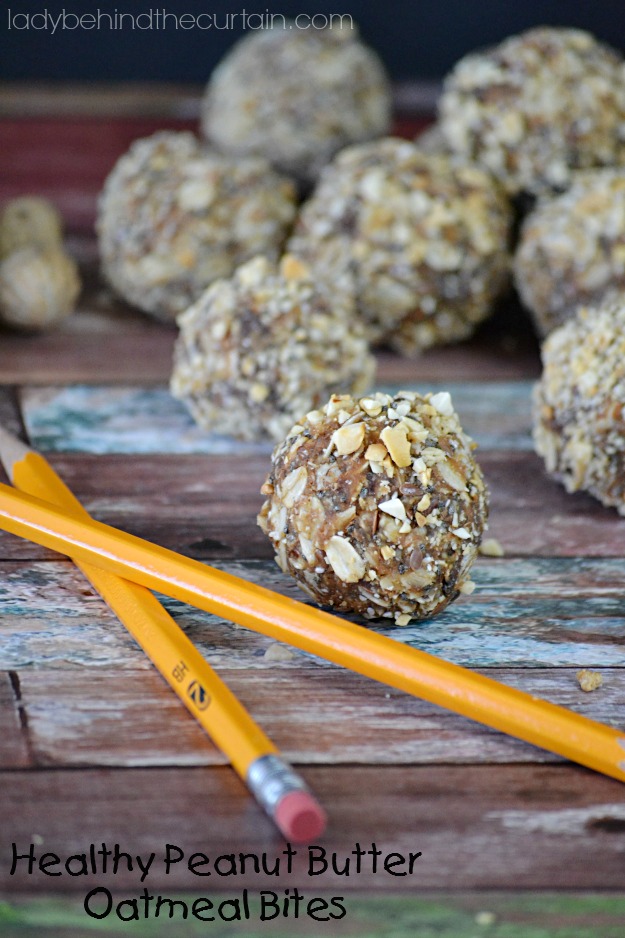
x=543, y=612
x=89, y=344
x=518, y=827
x=504, y=348
x=94, y=746
x=315, y=716
x=130, y=420
x=206, y=505
x=67, y=159
x=14, y=752
x=64, y=142
x=118, y=100
x=532, y=514
x=10, y=415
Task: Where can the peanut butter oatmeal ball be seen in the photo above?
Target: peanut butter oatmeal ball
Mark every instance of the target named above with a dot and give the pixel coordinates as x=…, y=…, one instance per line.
x=296, y=97
x=173, y=217
x=29, y=220
x=259, y=349
x=377, y=506
x=537, y=106
x=572, y=248
x=579, y=416
x=426, y=242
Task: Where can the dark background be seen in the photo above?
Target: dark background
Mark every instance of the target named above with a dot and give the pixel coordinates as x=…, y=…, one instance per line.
x=419, y=39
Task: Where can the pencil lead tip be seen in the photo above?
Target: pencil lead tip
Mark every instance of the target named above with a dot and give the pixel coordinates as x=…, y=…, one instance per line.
x=12, y=451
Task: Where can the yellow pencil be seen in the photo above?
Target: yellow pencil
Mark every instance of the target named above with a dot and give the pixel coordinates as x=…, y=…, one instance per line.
x=504, y=708
x=279, y=790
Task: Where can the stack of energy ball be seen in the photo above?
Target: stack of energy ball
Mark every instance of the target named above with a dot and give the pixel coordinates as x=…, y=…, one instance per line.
x=545, y=112
x=418, y=245
x=376, y=504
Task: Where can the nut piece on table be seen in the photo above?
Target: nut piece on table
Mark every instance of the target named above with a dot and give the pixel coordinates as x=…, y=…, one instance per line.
x=39, y=288
x=29, y=220
x=589, y=680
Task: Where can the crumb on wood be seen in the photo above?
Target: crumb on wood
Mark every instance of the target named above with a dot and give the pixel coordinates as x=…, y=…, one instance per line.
x=589, y=680
x=491, y=548
x=278, y=652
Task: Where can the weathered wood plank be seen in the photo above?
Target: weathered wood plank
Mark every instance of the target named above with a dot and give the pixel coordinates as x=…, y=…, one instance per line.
x=65, y=155
x=513, y=915
x=13, y=743
x=206, y=506
x=503, y=350
x=103, y=339
x=542, y=612
x=74, y=352
x=521, y=827
x=67, y=159
x=127, y=100
x=10, y=416
x=124, y=420
x=139, y=99
x=97, y=419
x=533, y=514
x=315, y=716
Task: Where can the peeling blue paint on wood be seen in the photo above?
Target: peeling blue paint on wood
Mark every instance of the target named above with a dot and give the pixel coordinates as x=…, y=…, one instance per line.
x=102, y=419
x=88, y=419
x=524, y=613
x=76, y=720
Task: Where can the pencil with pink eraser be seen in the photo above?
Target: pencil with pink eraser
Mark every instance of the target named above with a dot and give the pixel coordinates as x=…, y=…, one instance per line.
x=345, y=643
x=280, y=791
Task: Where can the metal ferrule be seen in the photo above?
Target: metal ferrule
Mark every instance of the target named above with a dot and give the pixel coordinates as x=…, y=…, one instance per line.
x=270, y=778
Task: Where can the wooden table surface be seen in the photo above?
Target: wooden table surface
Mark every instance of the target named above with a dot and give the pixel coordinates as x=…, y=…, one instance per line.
x=95, y=748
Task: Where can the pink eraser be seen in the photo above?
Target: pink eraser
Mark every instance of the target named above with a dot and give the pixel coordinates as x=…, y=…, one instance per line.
x=300, y=817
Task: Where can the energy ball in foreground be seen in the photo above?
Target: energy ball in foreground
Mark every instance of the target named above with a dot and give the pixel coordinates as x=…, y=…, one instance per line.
x=537, y=106
x=377, y=506
x=173, y=217
x=257, y=351
x=579, y=404
x=426, y=242
x=572, y=248
x=296, y=97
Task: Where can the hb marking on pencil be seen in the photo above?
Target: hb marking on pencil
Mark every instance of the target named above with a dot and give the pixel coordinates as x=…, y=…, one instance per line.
x=278, y=789
x=199, y=695
x=345, y=643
